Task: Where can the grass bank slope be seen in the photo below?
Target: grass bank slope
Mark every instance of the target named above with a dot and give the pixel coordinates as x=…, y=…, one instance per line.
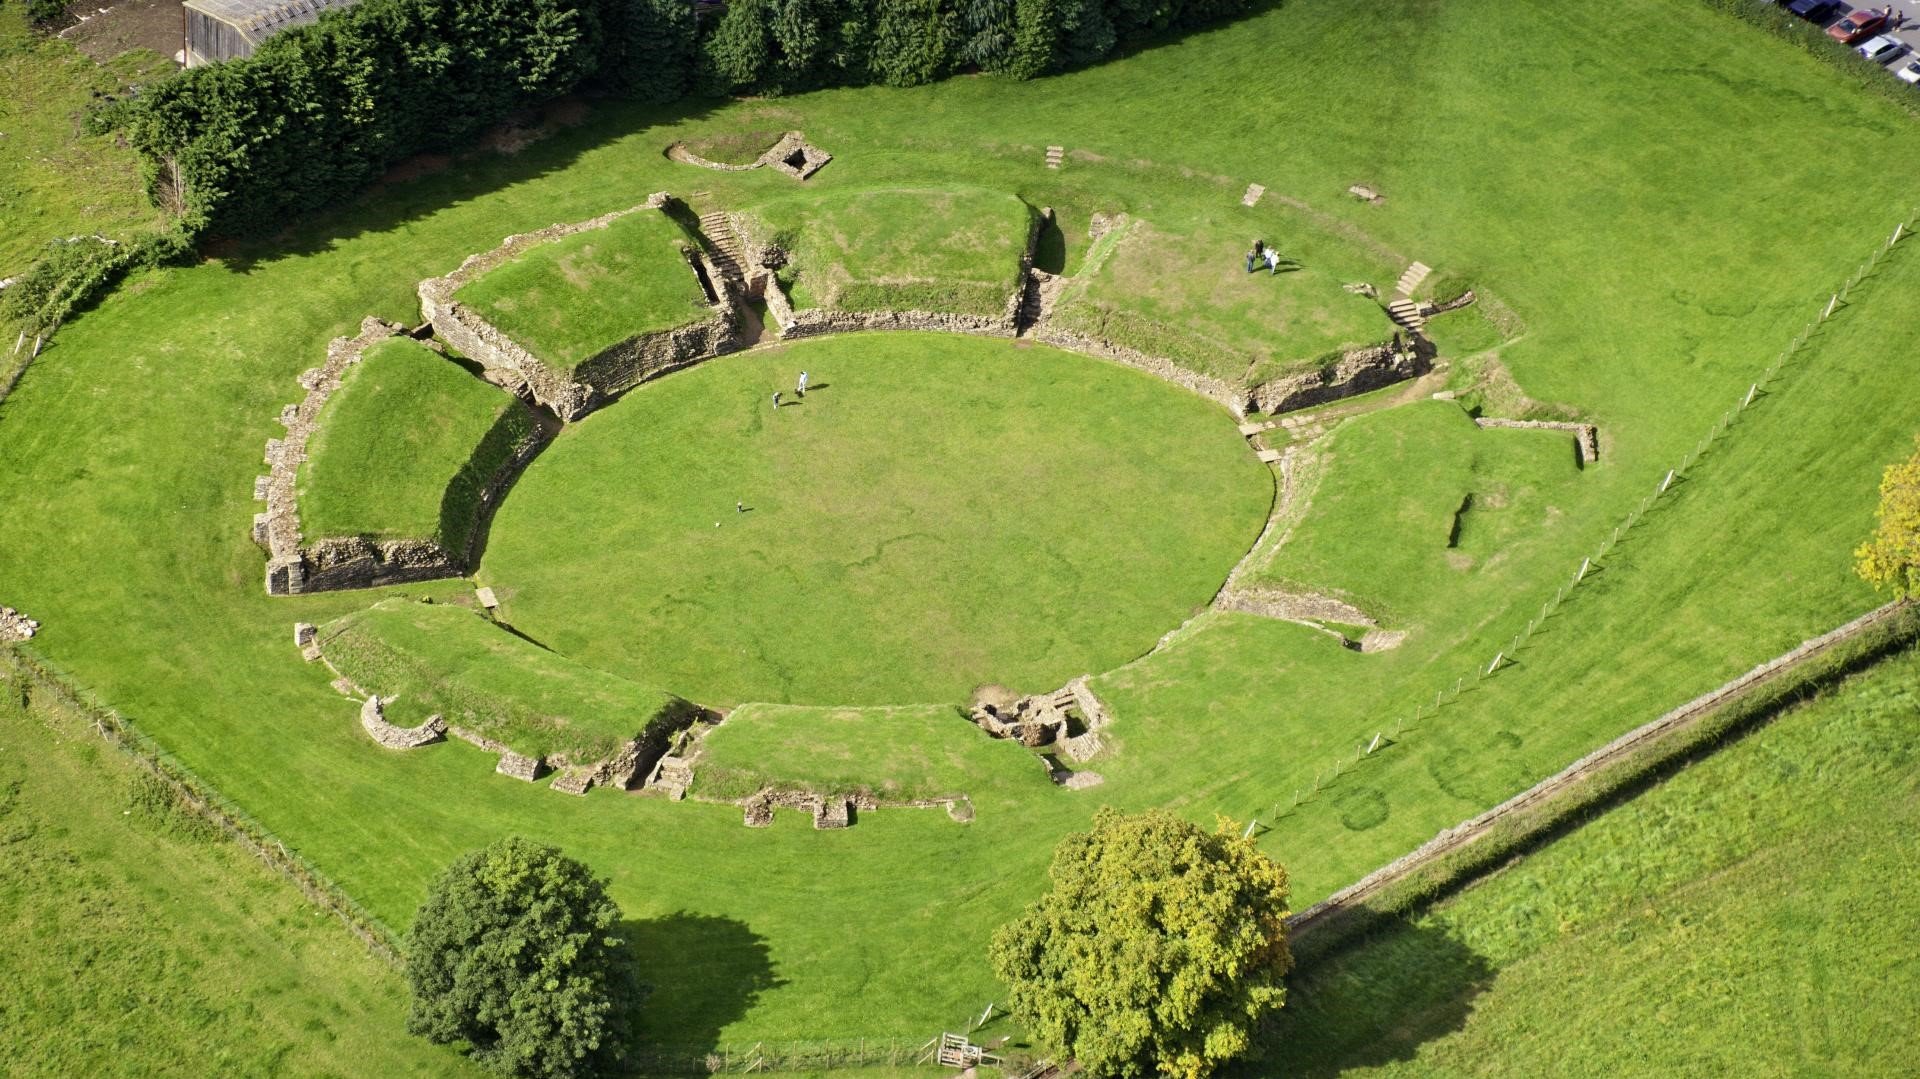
x=946, y=250
x=1749, y=916
x=405, y=447
x=1187, y=296
x=447, y=659
x=569, y=300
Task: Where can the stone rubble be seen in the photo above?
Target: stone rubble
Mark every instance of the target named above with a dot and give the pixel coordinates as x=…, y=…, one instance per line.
x=15, y=626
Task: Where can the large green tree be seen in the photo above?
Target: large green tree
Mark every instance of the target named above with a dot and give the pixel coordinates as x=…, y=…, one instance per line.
x=1891, y=559
x=516, y=953
x=1159, y=949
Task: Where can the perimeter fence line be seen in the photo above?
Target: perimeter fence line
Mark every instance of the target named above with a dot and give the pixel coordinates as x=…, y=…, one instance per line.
x=1388, y=736
x=40, y=676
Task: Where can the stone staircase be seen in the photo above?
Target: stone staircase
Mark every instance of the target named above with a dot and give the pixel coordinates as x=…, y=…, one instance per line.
x=1055, y=154
x=673, y=775
x=1412, y=279
x=726, y=251
x=1405, y=311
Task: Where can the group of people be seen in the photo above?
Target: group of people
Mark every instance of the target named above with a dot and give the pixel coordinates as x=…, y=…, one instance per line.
x=1270, y=256
x=799, y=390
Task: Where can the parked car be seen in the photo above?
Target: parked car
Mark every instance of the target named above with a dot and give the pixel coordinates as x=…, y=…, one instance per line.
x=1814, y=10
x=1884, y=49
x=1909, y=73
x=1860, y=24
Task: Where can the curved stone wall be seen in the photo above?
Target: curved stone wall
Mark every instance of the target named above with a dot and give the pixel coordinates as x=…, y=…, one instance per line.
x=294, y=566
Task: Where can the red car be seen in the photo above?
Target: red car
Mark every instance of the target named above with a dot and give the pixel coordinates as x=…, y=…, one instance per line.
x=1857, y=26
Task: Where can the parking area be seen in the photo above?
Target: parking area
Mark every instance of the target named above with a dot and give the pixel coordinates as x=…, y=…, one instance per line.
x=1905, y=27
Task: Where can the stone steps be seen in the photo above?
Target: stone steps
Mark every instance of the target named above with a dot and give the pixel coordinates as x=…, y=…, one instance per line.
x=1412, y=279
x=726, y=245
x=1055, y=155
x=1407, y=314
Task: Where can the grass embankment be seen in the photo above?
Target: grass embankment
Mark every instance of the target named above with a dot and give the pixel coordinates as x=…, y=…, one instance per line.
x=1415, y=500
x=572, y=299
x=1652, y=280
x=1185, y=295
x=895, y=754
x=437, y=657
x=944, y=250
x=55, y=179
x=1749, y=915
x=939, y=512
x=141, y=942
x=405, y=447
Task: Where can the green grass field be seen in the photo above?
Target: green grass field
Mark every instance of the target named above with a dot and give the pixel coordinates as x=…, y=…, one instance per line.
x=895, y=754
x=572, y=299
x=55, y=179
x=142, y=942
x=939, y=512
x=1748, y=916
x=1186, y=296
x=440, y=658
x=405, y=447
x=951, y=250
x=1570, y=160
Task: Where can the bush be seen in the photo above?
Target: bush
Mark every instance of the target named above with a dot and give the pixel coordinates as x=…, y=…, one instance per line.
x=514, y=953
x=73, y=272
x=46, y=13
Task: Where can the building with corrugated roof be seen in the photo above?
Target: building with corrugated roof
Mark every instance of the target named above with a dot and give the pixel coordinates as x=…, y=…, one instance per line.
x=217, y=30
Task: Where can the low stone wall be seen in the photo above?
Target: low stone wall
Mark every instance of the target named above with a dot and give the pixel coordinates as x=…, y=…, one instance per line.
x=517, y=765
x=373, y=718
x=1356, y=372
x=1586, y=436
x=1233, y=398
x=612, y=371
x=791, y=144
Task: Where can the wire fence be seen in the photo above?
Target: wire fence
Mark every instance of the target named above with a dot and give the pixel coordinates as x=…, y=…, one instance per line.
x=1393, y=734
x=748, y=1059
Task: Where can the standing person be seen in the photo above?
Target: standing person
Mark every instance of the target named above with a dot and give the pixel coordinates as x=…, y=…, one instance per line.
x=1255, y=255
x=800, y=387
x=1273, y=262
x=776, y=399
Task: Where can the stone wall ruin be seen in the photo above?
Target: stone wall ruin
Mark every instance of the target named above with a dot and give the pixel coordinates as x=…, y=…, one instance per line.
x=610, y=372
x=373, y=718
x=792, y=154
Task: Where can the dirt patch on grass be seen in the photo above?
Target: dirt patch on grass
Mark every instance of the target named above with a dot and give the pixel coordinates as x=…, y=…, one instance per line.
x=137, y=24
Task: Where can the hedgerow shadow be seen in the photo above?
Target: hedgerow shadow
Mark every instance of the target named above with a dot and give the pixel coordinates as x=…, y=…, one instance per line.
x=705, y=972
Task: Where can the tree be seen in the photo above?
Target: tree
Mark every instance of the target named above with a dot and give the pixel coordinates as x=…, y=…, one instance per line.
x=1159, y=949
x=1891, y=559
x=515, y=953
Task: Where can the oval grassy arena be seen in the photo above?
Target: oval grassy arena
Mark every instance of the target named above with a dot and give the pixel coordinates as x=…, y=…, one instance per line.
x=938, y=512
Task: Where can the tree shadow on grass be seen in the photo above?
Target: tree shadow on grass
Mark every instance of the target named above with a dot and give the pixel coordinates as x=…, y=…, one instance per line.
x=1374, y=999
x=706, y=972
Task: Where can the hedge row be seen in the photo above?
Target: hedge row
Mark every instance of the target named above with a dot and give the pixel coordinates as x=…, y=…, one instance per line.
x=321, y=111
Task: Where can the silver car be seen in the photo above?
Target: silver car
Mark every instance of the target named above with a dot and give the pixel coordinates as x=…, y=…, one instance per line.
x=1883, y=49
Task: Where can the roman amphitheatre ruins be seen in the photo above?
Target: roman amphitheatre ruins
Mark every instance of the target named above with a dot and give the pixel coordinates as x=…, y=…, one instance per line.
x=808, y=509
